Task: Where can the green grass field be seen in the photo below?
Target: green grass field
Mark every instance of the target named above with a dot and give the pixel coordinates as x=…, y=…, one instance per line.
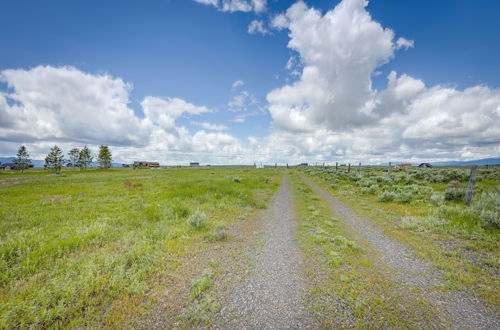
x=79, y=249
x=128, y=248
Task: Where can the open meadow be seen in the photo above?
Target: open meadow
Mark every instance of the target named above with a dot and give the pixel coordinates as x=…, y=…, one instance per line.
x=190, y=247
x=86, y=247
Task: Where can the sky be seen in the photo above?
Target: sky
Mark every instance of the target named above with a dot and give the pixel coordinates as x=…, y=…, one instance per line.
x=244, y=81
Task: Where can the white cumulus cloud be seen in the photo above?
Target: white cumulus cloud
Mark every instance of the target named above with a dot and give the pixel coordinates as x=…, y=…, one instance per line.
x=256, y=6
x=403, y=43
x=211, y=126
x=333, y=111
x=257, y=26
x=63, y=105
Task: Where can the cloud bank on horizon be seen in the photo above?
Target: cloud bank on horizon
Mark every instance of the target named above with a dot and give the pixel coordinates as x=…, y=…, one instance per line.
x=329, y=112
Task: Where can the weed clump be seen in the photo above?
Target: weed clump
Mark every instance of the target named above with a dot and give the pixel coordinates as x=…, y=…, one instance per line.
x=219, y=233
x=201, y=284
x=152, y=212
x=197, y=219
x=180, y=211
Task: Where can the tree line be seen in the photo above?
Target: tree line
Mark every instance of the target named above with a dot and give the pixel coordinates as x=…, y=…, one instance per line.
x=55, y=159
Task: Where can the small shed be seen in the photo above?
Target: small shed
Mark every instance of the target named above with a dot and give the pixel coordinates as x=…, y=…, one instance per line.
x=304, y=164
x=194, y=164
x=8, y=166
x=425, y=165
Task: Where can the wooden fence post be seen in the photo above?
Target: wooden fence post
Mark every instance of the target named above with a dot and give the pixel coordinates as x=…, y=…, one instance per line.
x=389, y=172
x=472, y=183
x=359, y=169
x=349, y=168
x=336, y=166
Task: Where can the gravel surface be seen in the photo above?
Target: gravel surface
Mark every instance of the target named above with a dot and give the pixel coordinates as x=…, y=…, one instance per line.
x=271, y=297
x=463, y=310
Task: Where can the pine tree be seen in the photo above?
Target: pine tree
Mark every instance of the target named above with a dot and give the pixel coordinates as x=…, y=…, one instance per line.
x=104, y=157
x=54, y=159
x=23, y=159
x=84, y=158
x=73, y=155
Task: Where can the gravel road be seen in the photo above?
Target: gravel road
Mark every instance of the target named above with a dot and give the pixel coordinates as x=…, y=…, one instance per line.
x=271, y=297
x=463, y=310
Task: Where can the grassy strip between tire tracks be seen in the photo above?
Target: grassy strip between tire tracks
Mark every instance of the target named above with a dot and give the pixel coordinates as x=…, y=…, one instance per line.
x=347, y=289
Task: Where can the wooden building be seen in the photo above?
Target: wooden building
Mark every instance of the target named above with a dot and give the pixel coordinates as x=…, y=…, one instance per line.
x=146, y=164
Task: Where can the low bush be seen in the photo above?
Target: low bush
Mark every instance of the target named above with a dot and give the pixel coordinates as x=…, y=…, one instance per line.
x=454, y=192
x=386, y=196
x=487, y=206
x=437, y=198
x=371, y=190
x=403, y=197
x=197, y=219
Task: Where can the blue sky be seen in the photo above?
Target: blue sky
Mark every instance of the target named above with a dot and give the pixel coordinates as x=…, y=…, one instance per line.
x=196, y=52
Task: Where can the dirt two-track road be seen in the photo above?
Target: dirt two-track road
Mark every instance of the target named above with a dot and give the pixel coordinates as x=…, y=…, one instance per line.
x=272, y=296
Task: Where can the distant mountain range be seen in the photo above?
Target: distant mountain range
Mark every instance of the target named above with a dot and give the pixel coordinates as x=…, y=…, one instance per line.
x=485, y=161
x=39, y=163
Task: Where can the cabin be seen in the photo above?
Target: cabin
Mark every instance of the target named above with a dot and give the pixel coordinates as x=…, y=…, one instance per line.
x=304, y=164
x=194, y=164
x=8, y=166
x=71, y=165
x=403, y=165
x=146, y=165
x=425, y=165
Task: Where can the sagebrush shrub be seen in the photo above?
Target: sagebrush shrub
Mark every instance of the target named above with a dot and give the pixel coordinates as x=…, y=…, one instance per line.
x=386, y=196
x=437, y=198
x=487, y=206
x=197, y=219
x=369, y=190
x=454, y=192
x=403, y=197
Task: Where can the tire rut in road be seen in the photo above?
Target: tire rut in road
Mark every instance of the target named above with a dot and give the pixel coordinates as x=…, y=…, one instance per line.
x=272, y=295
